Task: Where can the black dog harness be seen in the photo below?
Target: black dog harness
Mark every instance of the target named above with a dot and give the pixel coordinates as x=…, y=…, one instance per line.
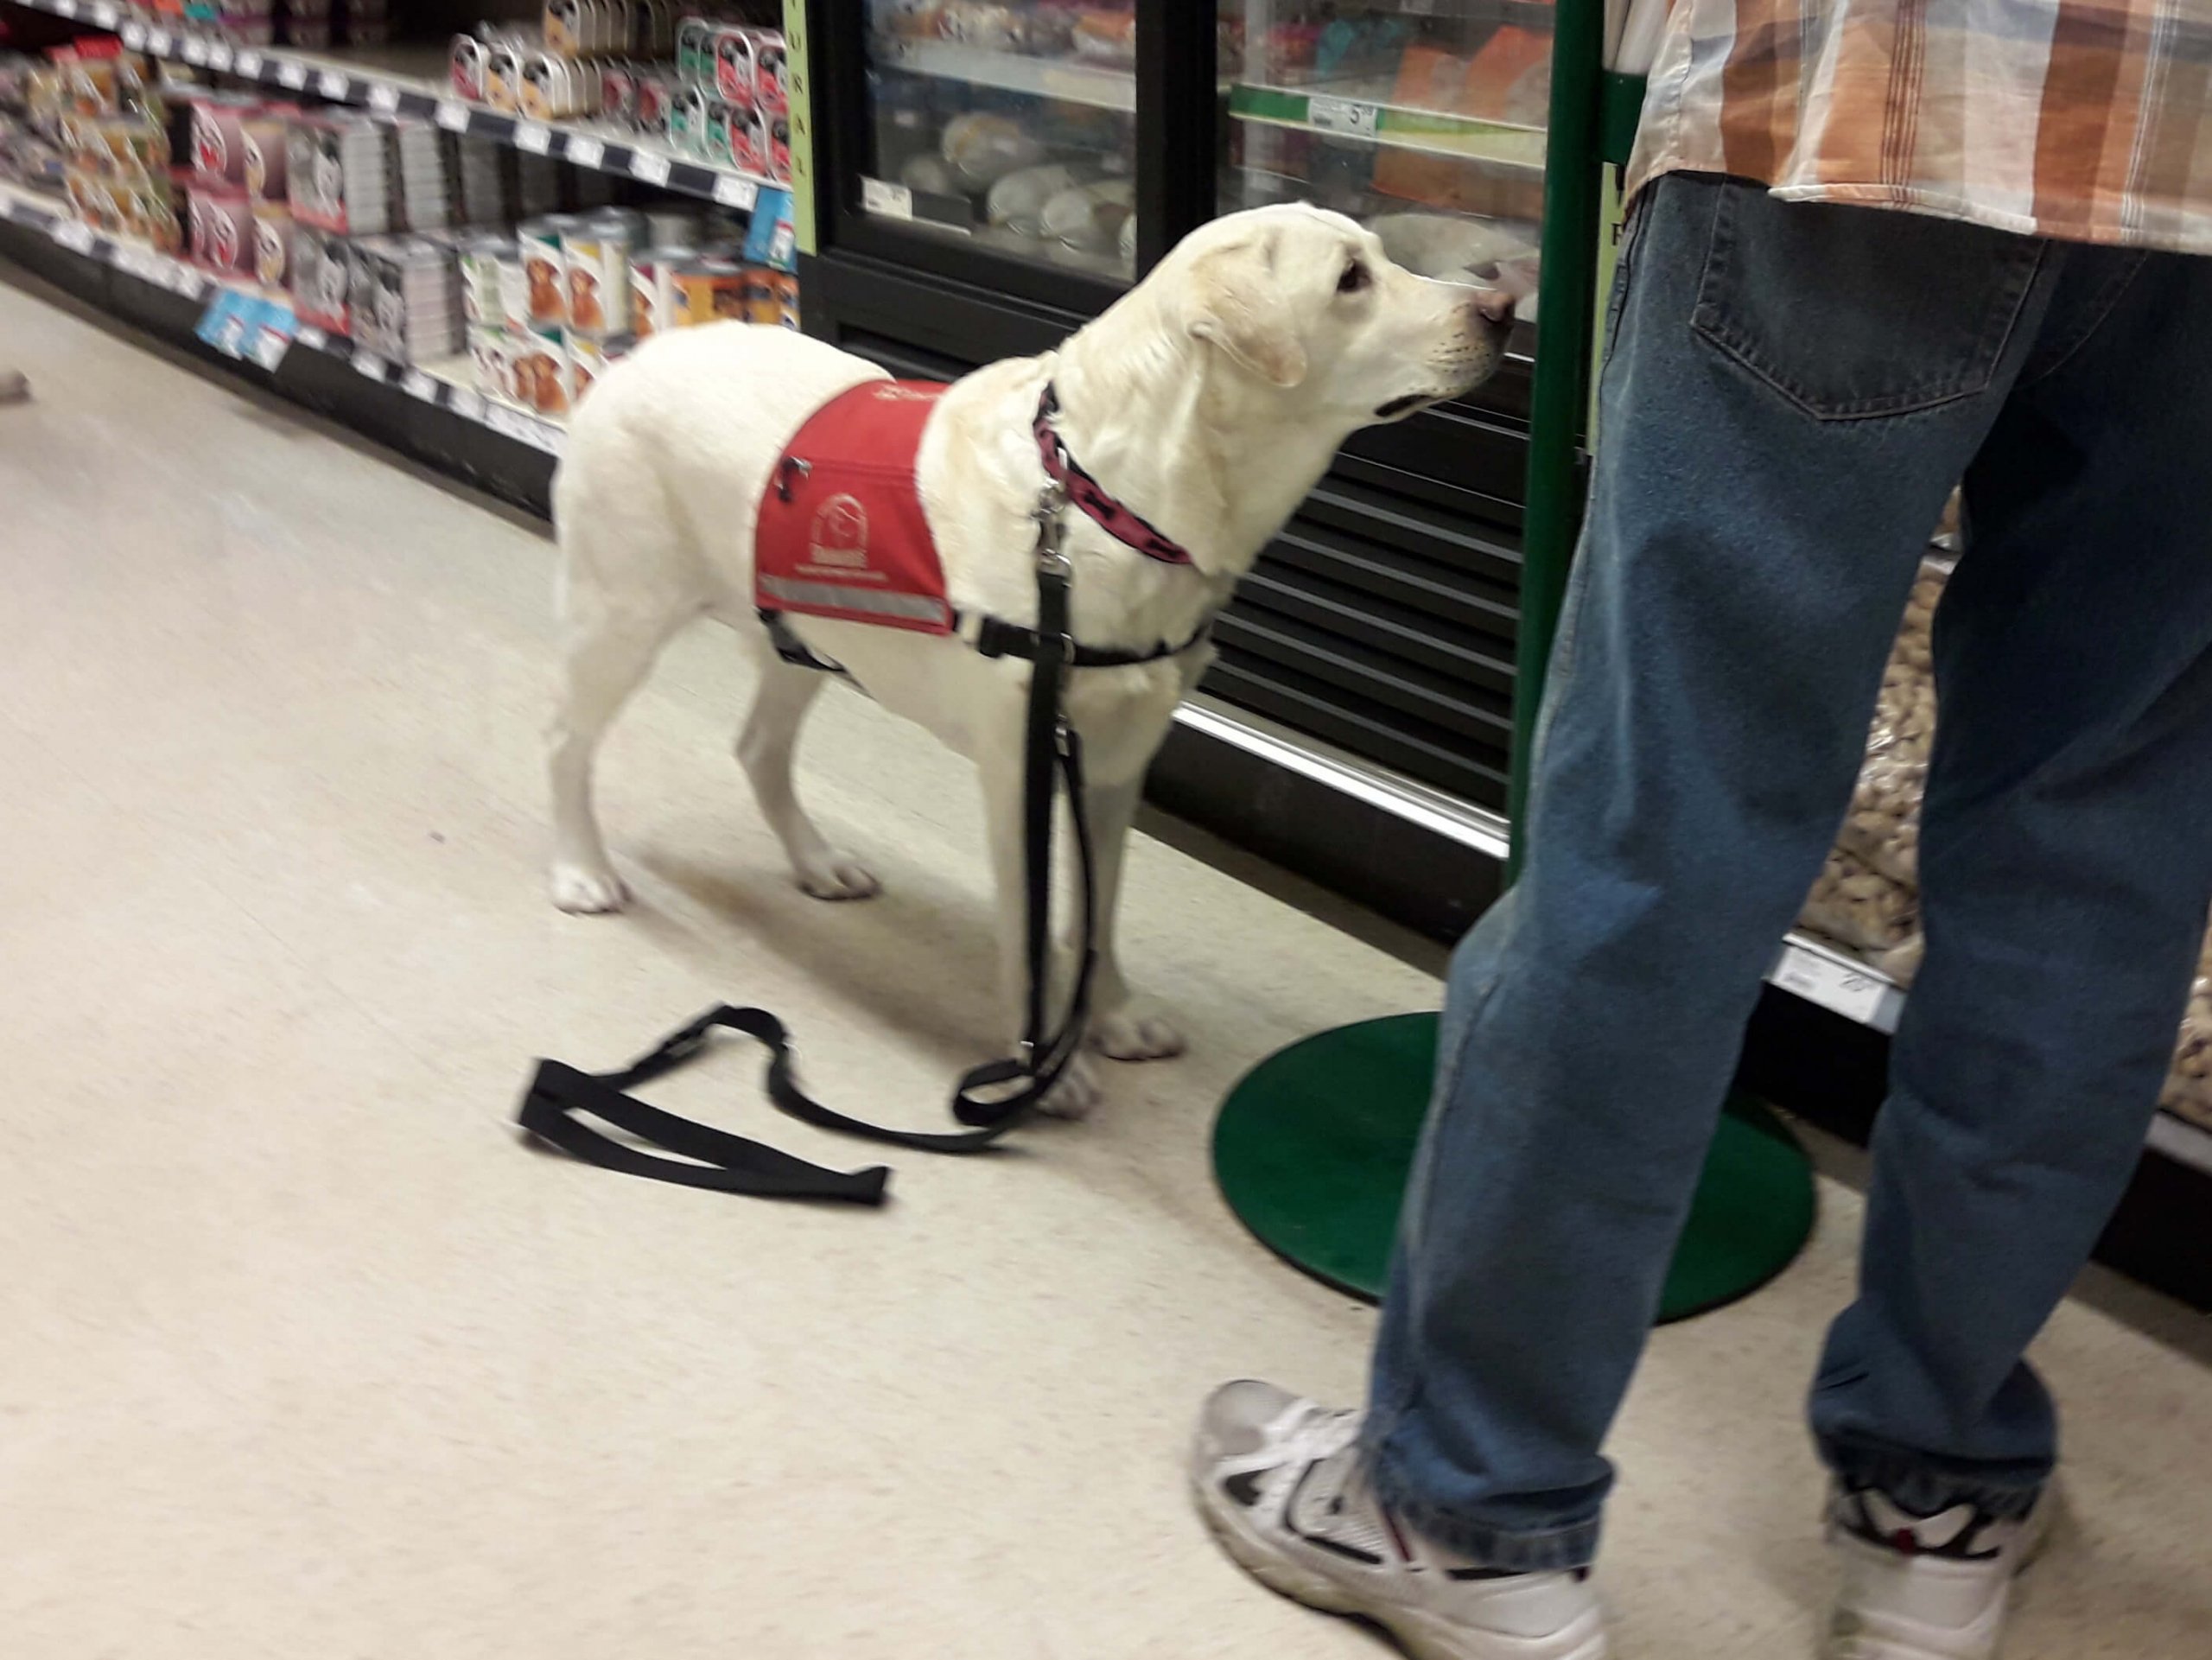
x=992, y=1098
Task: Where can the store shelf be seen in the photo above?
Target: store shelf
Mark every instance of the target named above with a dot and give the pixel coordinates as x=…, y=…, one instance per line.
x=1364, y=111
x=1070, y=81
x=369, y=81
x=447, y=385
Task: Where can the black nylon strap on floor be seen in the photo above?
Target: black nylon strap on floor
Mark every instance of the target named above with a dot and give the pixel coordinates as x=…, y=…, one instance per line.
x=729, y=1164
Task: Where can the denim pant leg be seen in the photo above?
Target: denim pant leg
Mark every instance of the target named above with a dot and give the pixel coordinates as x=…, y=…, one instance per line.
x=1792, y=392
x=2066, y=867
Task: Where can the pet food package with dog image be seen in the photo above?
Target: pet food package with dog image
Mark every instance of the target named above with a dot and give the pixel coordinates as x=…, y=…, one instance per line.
x=596, y=258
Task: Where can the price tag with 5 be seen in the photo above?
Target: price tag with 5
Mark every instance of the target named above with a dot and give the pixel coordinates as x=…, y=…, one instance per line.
x=1342, y=115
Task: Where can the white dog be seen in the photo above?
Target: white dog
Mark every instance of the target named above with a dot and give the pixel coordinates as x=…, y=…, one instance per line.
x=1207, y=401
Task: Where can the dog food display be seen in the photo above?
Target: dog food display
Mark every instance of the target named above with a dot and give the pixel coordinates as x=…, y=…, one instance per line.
x=715, y=87
x=1867, y=897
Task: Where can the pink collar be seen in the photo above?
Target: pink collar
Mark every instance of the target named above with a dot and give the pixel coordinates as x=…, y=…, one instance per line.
x=1088, y=493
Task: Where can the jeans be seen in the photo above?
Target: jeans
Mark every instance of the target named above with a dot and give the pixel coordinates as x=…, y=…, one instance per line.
x=1790, y=393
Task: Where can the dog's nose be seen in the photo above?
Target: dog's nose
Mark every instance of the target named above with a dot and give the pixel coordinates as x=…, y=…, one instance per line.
x=1490, y=305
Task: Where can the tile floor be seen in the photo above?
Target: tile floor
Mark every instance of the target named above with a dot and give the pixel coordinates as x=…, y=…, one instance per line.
x=305, y=1355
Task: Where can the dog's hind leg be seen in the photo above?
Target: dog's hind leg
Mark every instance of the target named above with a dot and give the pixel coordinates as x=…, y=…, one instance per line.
x=767, y=748
x=605, y=657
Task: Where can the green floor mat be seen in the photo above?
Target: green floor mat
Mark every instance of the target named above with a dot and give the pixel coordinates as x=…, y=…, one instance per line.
x=1312, y=1146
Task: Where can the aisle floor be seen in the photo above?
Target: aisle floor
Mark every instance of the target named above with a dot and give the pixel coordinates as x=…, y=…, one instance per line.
x=305, y=1355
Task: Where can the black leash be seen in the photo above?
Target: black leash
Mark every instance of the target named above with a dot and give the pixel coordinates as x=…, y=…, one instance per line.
x=991, y=1099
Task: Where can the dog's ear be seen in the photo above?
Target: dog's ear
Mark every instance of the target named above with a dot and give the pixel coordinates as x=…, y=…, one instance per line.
x=1238, y=304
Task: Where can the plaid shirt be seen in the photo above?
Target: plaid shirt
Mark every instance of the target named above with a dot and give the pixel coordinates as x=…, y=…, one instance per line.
x=2089, y=120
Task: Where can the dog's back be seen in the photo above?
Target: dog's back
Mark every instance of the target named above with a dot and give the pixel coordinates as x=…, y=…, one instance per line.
x=667, y=459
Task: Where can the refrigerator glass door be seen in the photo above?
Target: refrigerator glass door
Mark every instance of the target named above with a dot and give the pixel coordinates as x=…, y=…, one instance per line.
x=1423, y=119
x=1008, y=126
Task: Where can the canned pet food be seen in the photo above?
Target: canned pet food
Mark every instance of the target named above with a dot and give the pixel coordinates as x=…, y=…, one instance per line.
x=467, y=66
x=480, y=281
x=514, y=288
x=266, y=138
x=272, y=243
x=735, y=58
x=780, y=150
x=695, y=51
x=596, y=256
x=772, y=87
x=748, y=142
x=218, y=137
x=542, y=270
x=541, y=373
x=559, y=27
x=503, y=76
x=656, y=97
x=222, y=229
x=651, y=295
x=618, y=93
x=687, y=119
x=491, y=355
x=708, y=289
x=587, y=361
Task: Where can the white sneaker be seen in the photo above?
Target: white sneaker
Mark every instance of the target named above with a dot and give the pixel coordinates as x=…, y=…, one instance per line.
x=1924, y=1587
x=1279, y=1481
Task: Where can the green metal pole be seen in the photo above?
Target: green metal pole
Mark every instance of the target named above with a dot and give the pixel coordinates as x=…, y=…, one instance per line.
x=1567, y=308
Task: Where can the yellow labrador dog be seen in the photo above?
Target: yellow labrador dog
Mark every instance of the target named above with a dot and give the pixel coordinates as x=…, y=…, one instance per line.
x=1207, y=402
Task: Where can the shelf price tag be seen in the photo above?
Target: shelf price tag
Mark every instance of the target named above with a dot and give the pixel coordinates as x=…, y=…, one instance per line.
x=249, y=64
x=421, y=385
x=65, y=8
x=311, y=337
x=369, y=364
x=534, y=136
x=890, y=200
x=1855, y=994
x=384, y=98
x=453, y=114
x=103, y=14
x=468, y=405
x=218, y=54
x=134, y=35
x=1341, y=115
x=332, y=83
x=735, y=190
x=196, y=49
x=292, y=75
x=584, y=151
x=653, y=169
x=75, y=236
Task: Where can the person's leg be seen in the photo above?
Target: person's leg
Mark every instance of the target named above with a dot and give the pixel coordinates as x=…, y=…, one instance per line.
x=2066, y=867
x=1793, y=392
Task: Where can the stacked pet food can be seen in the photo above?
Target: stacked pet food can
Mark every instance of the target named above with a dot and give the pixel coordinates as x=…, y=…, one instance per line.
x=714, y=88
x=109, y=125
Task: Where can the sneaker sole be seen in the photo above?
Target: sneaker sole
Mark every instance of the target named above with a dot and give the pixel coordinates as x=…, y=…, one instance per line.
x=1420, y=1633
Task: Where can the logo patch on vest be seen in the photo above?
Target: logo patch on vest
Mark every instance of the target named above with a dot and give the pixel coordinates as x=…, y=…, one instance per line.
x=841, y=532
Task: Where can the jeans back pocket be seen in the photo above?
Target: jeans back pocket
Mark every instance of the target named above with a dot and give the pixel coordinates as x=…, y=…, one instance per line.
x=1853, y=313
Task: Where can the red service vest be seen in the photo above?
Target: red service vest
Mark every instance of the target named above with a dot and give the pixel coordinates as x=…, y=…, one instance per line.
x=841, y=532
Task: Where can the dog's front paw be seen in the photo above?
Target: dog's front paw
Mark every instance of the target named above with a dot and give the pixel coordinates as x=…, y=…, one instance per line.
x=1076, y=1093
x=588, y=890
x=839, y=876
x=1124, y=1035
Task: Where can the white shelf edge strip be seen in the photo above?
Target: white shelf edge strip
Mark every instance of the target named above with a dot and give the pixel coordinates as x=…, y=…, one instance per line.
x=1431, y=809
x=2182, y=1142
x=582, y=146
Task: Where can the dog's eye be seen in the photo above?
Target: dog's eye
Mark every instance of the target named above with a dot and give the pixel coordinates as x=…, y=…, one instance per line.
x=1354, y=278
